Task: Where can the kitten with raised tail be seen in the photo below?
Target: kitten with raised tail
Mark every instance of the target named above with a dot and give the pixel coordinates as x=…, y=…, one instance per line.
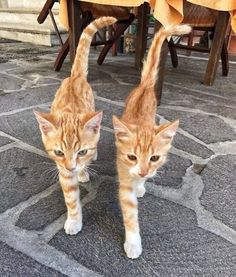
x=142, y=146
x=70, y=132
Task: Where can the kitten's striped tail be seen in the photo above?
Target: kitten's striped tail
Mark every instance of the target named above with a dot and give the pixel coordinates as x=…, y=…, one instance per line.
x=80, y=66
x=151, y=65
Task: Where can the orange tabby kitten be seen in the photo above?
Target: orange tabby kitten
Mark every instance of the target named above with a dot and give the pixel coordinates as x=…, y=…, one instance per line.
x=142, y=146
x=70, y=132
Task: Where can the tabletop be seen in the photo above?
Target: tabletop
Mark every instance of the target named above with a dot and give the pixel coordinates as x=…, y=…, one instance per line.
x=171, y=10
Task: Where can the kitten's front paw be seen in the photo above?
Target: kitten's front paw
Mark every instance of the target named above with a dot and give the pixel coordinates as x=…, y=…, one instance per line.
x=133, y=251
x=72, y=226
x=133, y=247
x=83, y=177
x=140, y=191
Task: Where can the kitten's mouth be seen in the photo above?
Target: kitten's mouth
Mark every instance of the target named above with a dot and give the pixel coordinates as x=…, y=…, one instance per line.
x=69, y=171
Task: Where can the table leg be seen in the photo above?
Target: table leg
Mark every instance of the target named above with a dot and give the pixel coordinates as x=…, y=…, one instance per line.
x=75, y=26
x=216, y=48
x=141, y=38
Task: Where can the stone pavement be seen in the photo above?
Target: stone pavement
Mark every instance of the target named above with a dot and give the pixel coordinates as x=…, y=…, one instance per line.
x=188, y=216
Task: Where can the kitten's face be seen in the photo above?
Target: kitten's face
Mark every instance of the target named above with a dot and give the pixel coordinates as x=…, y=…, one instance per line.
x=143, y=150
x=70, y=142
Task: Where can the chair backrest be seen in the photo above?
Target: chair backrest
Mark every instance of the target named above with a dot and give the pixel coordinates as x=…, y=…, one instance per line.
x=199, y=16
x=97, y=10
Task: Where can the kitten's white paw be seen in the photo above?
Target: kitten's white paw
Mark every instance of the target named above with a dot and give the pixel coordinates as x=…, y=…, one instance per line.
x=83, y=177
x=133, y=251
x=133, y=246
x=72, y=226
x=140, y=191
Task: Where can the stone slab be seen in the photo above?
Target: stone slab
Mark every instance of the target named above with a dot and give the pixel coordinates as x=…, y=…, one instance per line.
x=5, y=66
x=94, y=76
x=219, y=194
x=4, y=141
x=173, y=245
x=14, y=50
x=108, y=111
x=106, y=162
x=112, y=91
x=199, y=100
x=14, y=263
x=9, y=83
x=195, y=71
x=22, y=175
x=22, y=126
x=173, y=171
x=26, y=98
x=204, y=127
x=41, y=67
x=190, y=146
x=45, y=211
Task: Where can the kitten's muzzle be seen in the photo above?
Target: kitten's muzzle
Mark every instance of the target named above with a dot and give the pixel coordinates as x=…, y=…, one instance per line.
x=71, y=169
x=142, y=174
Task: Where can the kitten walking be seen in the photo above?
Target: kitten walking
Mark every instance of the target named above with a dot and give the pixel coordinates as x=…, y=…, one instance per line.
x=70, y=132
x=142, y=146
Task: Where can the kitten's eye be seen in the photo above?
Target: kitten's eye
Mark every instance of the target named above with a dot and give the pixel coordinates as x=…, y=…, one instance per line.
x=154, y=158
x=82, y=152
x=132, y=157
x=59, y=153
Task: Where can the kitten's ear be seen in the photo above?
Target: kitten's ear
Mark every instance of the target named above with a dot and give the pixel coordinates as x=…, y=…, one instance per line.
x=169, y=130
x=120, y=128
x=45, y=122
x=93, y=123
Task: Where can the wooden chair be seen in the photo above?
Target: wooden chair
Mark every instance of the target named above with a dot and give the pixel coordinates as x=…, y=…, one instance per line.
x=90, y=12
x=205, y=19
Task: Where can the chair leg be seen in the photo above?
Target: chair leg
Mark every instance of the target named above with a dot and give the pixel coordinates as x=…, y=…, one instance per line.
x=190, y=42
x=66, y=46
x=173, y=53
x=225, y=60
x=62, y=55
x=75, y=26
x=216, y=48
x=44, y=12
x=121, y=27
x=141, y=37
x=56, y=28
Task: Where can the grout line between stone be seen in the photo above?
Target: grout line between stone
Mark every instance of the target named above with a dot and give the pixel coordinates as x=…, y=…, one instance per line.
x=199, y=58
x=24, y=109
x=13, y=213
x=31, y=245
x=8, y=146
x=24, y=146
x=195, y=90
x=229, y=121
x=189, y=196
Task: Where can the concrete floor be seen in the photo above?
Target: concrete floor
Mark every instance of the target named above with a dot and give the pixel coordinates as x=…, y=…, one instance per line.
x=187, y=218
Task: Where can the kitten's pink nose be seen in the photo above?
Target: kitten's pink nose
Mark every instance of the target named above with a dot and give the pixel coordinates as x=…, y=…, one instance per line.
x=70, y=168
x=142, y=174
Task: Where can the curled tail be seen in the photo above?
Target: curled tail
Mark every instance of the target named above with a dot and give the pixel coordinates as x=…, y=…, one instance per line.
x=80, y=66
x=150, y=66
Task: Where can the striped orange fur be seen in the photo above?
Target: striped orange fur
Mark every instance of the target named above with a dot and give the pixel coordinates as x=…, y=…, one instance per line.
x=142, y=146
x=70, y=132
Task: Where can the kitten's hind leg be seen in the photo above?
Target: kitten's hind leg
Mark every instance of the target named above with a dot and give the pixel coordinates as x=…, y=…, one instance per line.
x=139, y=188
x=83, y=176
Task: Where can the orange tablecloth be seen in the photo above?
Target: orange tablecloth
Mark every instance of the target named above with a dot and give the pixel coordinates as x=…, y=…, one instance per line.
x=165, y=11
